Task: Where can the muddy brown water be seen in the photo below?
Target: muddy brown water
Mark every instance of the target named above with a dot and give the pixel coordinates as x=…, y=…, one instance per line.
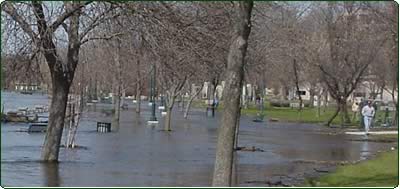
x=141, y=155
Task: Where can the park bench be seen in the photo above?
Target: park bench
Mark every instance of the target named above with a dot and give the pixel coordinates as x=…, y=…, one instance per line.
x=103, y=127
x=37, y=127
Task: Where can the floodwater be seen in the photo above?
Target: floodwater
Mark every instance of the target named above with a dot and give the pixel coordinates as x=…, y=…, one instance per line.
x=138, y=154
x=14, y=100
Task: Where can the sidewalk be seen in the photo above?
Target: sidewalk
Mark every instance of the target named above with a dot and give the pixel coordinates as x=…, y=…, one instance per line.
x=372, y=132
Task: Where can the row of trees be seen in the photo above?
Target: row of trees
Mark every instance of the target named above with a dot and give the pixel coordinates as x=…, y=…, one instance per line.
x=113, y=47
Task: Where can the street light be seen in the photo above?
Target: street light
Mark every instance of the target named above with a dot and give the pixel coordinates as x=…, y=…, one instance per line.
x=153, y=118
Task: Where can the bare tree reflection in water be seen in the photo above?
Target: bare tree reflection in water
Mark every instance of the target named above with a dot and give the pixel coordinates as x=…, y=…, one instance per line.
x=365, y=151
x=51, y=174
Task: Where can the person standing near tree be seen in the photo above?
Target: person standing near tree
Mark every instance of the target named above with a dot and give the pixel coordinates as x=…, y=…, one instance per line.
x=368, y=113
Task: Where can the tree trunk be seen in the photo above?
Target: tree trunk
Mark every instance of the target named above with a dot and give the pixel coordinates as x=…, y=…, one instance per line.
x=226, y=133
x=342, y=116
x=117, y=105
x=122, y=98
x=395, y=120
x=245, y=99
x=182, y=102
x=284, y=92
x=235, y=172
x=167, y=123
x=78, y=117
x=138, y=100
x=296, y=76
x=189, y=103
x=335, y=114
x=395, y=60
x=138, y=83
x=318, y=105
x=312, y=94
x=55, y=127
x=237, y=130
x=68, y=114
x=71, y=119
x=117, y=109
x=51, y=173
x=344, y=112
x=381, y=92
x=325, y=100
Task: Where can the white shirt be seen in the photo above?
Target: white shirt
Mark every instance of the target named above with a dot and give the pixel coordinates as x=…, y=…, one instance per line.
x=368, y=111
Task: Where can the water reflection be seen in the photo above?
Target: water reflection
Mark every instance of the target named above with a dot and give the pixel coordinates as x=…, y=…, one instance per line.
x=51, y=174
x=365, y=151
x=340, y=153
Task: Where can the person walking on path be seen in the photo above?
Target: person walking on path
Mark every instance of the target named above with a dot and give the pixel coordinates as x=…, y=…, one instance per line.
x=368, y=113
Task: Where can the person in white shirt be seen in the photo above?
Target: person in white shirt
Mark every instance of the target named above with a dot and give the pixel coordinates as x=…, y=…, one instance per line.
x=368, y=113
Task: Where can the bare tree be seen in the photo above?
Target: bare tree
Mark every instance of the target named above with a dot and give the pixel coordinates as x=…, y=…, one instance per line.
x=193, y=94
x=42, y=32
x=387, y=14
x=226, y=133
x=351, y=51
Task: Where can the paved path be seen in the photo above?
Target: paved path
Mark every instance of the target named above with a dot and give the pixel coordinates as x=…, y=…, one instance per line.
x=372, y=132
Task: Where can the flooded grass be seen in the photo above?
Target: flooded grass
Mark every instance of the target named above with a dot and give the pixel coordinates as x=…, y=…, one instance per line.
x=382, y=172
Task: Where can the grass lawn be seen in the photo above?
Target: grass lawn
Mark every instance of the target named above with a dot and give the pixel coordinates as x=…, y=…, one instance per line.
x=382, y=172
x=307, y=115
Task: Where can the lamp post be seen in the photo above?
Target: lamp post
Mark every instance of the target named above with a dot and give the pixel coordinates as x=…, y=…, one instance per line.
x=152, y=94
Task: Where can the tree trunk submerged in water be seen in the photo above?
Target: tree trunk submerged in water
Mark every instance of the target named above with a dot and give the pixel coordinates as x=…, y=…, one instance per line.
x=167, y=123
x=138, y=83
x=117, y=93
x=117, y=111
x=138, y=93
x=169, y=105
x=55, y=127
x=41, y=30
x=189, y=103
x=226, y=132
x=62, y=76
